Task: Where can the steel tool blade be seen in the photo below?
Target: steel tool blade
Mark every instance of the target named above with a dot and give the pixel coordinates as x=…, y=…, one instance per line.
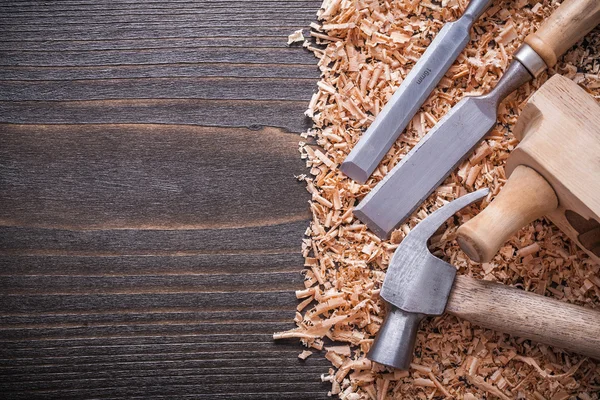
x=422, y=170
x=408, y=98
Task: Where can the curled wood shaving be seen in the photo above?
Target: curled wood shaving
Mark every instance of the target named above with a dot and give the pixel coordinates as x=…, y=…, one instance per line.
x=486, y=387
x=543, y=373
x=305, y=354
x=365, y=50
x=297, y=36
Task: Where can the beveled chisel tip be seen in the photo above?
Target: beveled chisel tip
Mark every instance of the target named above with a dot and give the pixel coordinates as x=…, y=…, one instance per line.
x=382, y=233
x=353, y=171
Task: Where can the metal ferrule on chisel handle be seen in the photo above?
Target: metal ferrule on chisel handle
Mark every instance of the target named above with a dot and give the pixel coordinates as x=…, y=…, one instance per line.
x=530, y=60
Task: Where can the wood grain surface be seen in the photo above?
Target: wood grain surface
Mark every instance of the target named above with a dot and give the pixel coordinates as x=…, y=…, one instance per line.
x=150, y=222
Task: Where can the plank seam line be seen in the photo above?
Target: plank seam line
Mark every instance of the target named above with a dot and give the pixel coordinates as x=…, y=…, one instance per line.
x=207, y=77
x=74, y=6
x=212, y=6
x=191, y=78
x=150, y=275
x=132, y=253
x=154, y=361
x=146, y=355
x=133, y=40
x=137, y=313
x=117, y=50
x=90, y=14
x=33, y=66
x=135, y=337
x=116, y=346
x=142, y=293
x=234, y=17
x=162, y=100
x=215, y=63
x=141, y=28
x=283, y=251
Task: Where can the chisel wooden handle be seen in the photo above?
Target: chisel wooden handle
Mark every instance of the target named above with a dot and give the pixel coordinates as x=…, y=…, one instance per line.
x=553, y=172
x=527, y=315
x=570, y=22
x=526, y=197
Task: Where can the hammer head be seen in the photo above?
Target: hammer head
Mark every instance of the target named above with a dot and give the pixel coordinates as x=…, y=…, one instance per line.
x=416, y=284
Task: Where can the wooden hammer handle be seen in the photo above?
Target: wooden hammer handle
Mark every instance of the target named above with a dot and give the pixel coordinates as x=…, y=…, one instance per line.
x=527, y=315
x=570, y=22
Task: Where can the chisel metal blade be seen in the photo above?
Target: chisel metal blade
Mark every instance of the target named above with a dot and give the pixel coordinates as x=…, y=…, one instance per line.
x=408, y=98
x=422, y=170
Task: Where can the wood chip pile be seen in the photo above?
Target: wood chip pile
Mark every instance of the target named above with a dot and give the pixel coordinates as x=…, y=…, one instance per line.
x=365, y=49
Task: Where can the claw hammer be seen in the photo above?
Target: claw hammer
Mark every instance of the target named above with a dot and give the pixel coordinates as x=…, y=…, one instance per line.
x=418, y=284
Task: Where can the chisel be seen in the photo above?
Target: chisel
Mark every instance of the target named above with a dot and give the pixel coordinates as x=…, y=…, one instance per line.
x=439, y=152
x=414, y=90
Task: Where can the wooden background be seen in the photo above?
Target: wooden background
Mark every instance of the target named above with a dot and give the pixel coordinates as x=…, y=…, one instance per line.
x=150, y=222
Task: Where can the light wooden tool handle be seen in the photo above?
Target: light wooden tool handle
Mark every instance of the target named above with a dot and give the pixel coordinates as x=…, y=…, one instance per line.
x=526, y=315
x=570, y=22
x=526, y=197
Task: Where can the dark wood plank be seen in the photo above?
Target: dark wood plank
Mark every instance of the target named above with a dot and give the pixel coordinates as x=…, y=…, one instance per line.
x=152, y=56
x=75, y=20
x=212, y=383
x=151, y=225
x=222, y=375
x=253, y=114
x=154, y=316
x=266, y=40
x=204, y=384
x=193, y=283
x=261, y=239
x=267, y=260
x=159, y=71
x=146, y=176
x=257, y=390
x=160, y=88
x=284, y=11
x=236, y=5
x=240, y=300
x=77, y=364
x=153, y=33
x=192, y=355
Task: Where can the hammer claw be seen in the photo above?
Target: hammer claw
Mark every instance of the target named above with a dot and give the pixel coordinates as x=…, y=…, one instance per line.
x=426, y=228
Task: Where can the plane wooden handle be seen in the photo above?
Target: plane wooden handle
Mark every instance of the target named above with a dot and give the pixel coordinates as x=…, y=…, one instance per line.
x=526, y=197
x=526, y=315
x=570, y=22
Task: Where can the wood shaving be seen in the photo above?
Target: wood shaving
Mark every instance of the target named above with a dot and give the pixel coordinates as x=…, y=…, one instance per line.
x=305, y=354
x=297, y=36
x=365, y=49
